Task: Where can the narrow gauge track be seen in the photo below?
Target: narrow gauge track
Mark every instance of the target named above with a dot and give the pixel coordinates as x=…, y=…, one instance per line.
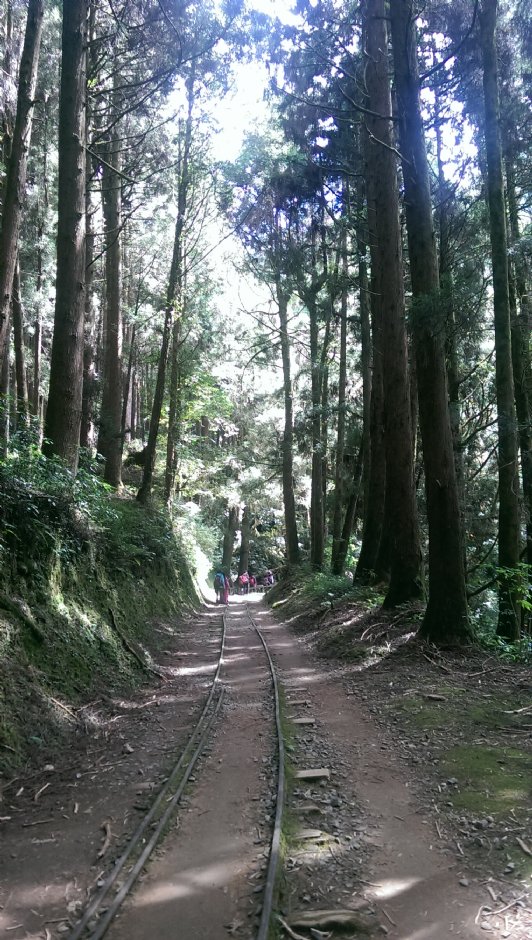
x=138, y=851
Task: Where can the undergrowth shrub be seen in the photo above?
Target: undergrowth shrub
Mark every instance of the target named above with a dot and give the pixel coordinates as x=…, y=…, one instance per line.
x=84, y=572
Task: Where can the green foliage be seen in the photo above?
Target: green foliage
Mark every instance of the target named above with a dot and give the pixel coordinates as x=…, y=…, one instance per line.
x=520, y=652
x=518, y=580
x=307, y=591
x=195, y=533
x=84, y=573
x=486, y=616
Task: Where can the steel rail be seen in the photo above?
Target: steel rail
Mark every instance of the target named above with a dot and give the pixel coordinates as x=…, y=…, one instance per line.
x=116, y=904
x=202, y=727
x=273, y=861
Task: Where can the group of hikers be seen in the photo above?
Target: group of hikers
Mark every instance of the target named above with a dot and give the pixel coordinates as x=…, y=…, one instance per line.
x=244, y=583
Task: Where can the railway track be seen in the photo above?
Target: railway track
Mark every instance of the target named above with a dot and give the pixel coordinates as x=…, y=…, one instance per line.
x=119, y=883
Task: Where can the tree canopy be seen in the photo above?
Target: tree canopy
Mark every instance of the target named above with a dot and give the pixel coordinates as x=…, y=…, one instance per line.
x=307, y=329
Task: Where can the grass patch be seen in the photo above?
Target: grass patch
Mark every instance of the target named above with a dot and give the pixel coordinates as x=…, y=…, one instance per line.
x=493, y=780
x=341, y=644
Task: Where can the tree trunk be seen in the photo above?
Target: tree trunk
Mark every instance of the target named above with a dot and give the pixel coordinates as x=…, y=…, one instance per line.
x=446, y=287
x=90, y=382
x=36, y=397
x=182, y=207
x=509, y=614
x=365, y=356
x=110, y=438
x=4, y=396
x=245, y=531
x=63, y=414
x=446, y=616
x=522, y=371
x=350, y=513
x=128, y=394
x=317, y=541
x=172, y=439
x=144, y=493
x=90, y=370
x=324, y=420
x=401, y=520
x=17, y=164
x=339, y=482
x=22, y=410
x=229, y=538
x=290, y=520
x=375, y=459
x=6, y=124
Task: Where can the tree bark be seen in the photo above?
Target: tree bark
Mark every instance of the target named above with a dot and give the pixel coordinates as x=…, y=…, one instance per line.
x=90, y=381
x=22, y=410
x=350, y=512
x=521, y=318
x=6, y=125
x=63, y=414
x=182, y=207
x=90, y=370
x=18, y=160
x=144, y=493
x=245, y=532
x=339, y=481
x=36, y=398
x=229, y=538
x=446, y=288
x=128, y=394
x=401, y=520
x=317, y=535
x=375, y=458
x=446, y=617
x=110, y=442
x=520, y=328
x=289, y=502
x=173, y=411
x=365, y=354
x=509, y=614
x=4, y=396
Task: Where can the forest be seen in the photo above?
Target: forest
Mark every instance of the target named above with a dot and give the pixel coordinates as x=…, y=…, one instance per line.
x=293, y=338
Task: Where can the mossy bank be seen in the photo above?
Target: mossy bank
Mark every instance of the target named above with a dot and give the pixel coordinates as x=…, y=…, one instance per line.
x=84, y=575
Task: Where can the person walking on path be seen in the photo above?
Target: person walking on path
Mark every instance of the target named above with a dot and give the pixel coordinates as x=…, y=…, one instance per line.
x=227, y=587
x=219, y=586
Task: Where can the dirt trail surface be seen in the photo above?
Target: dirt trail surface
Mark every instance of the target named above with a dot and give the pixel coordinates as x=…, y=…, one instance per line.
x=209, y=865
x=366, y=837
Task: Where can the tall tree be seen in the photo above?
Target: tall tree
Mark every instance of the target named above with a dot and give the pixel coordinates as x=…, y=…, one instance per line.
x=446, y=616
x=110, y=442
x=245, y=533
x=171, y=310
x=18, y=342
x=339, y=481
x=289, y=502
x=401, y=516
x=183, y=186
x=374, y=454
x=63, y=414
x=509, y=617
x=232, y=522
x=520, y=326
x=18, y=160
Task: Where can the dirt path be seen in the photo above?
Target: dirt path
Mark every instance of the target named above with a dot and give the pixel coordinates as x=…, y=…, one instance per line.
x=56, y=821
x=375, y=841
x=206, y=874
x=387, y=848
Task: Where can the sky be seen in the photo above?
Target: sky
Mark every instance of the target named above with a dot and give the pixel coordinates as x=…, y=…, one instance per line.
x=244, y=106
